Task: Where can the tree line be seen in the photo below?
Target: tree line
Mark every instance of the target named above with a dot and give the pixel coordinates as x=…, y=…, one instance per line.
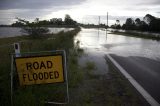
x=68, y=21
x=38, y=29
x=148, y=23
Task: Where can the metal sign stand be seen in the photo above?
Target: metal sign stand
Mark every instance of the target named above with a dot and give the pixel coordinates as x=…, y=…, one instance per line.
x=65, y=72
x=11, y=74
x=66, y=78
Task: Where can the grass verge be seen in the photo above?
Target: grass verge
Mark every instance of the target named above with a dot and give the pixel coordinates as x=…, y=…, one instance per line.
x=110, y=89
x=138, y=35
x=122, y=90
x=37, y=94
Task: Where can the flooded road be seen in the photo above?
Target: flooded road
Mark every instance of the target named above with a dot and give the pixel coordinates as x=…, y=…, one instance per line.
x=91, y=42
x=118, y=44
x=140, y=57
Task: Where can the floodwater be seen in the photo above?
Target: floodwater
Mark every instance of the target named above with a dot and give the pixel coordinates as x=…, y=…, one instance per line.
x=118, y=44
x=15, y=31
x=138, y=56
x=97, y=43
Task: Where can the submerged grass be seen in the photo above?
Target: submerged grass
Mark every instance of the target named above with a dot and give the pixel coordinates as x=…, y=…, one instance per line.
x=85, y=87
x=37, y=94
x=90, y=65
x=110, y=89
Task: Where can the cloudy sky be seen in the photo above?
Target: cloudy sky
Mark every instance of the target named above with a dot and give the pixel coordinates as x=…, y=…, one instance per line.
x=84, y=11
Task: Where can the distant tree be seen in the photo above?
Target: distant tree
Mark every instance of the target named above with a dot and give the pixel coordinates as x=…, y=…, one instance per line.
x=69, y=21
x=123, y=26
x=117, y=21
x=37, y=20
x=148, y=18
x=56, y=21
x=43, y=22
x=59, y=21
x=17, y=24
x=153, y=22
x=33, y=29
x=129, y=21
x=137, y=22
x=144, y=26
x=149, y=23
x=129, y=24
x=101, y=25
x=117, y=24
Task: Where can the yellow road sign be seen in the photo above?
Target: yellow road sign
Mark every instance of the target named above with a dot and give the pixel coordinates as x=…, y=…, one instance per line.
x=40, y=70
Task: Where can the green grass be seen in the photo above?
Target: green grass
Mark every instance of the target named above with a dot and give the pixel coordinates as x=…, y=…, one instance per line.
x=90, y=65
x=110, y=89
x=37, y=94
x=75, y=75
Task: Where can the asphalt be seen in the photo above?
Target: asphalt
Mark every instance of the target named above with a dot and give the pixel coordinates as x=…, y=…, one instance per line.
x=144, y=70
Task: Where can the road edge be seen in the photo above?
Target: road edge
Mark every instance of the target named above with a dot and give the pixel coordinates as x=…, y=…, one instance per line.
x=137, y=86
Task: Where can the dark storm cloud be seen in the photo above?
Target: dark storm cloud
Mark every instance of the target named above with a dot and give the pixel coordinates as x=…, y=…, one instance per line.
x=36, y=4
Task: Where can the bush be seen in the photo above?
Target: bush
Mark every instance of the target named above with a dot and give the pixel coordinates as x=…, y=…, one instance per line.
x=33, y=29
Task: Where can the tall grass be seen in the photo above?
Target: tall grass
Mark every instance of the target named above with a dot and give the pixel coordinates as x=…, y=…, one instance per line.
x=36, y=94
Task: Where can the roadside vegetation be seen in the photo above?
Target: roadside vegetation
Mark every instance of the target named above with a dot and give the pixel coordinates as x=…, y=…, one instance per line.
x=110, y=89
x=149, y=23
x=85, y=87
x=54, y=22
x=138, y=35
x=148, y=27
x=38, y=94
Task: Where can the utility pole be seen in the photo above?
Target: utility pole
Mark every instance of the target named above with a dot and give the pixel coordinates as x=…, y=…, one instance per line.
x=107, y=19
x=99, y=20
x=107, y=24
x=98, y=24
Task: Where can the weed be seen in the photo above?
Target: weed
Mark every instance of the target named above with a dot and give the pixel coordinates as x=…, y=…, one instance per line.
x=90, y=65
x=36, y=94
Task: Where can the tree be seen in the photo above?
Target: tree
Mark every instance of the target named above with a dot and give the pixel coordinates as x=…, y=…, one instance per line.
x=148, y=18
x=56, y=21
x=68, y=20
x=17, y=24
x=153, y=22
x=144, y=26
x=137, y=22
x=117, y=21
x=129, y=25
x=33, y=29
x=117, y=24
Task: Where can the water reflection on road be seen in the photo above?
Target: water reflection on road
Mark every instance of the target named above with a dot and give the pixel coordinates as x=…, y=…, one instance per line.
x=101, y=43
x=140, y=57
x=91, y=41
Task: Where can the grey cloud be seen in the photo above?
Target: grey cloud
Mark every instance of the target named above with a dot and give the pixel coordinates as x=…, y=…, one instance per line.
x=31, y=9
x=94, y=18
x=149, y=2
x=36, y=4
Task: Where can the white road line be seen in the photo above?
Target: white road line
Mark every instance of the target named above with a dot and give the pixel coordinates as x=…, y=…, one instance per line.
x=139, y=88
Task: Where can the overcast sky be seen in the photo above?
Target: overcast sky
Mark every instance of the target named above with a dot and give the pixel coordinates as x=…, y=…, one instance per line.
x=85, y=11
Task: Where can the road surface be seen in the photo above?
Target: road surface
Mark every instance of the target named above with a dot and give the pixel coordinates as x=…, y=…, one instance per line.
x=139, y=57
x=144, y=70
